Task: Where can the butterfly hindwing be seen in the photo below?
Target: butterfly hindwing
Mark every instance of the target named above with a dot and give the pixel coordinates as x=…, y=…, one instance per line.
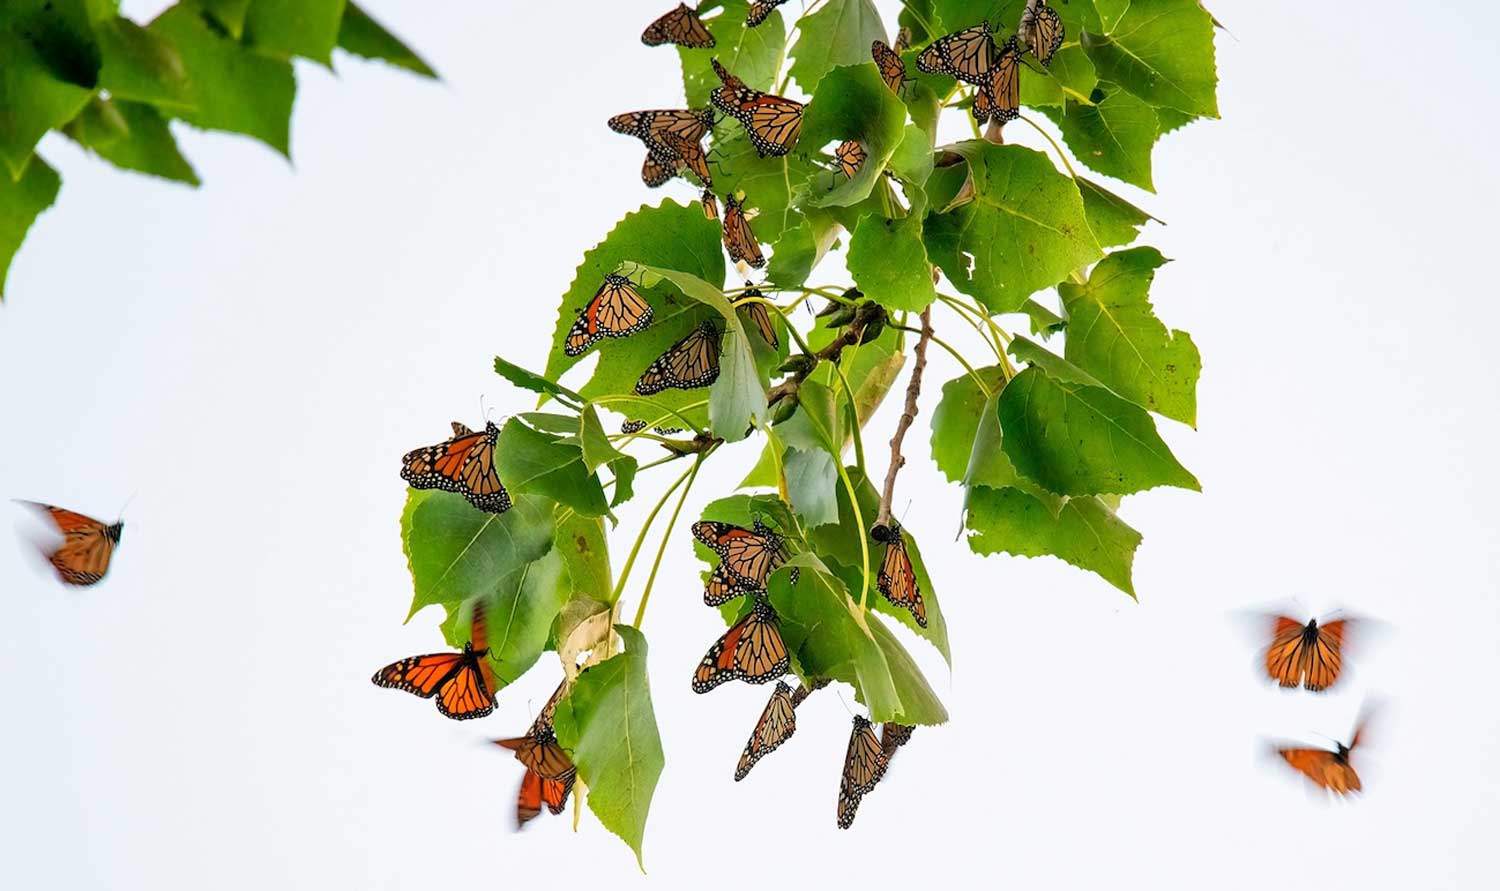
x=689, y=363
x=897, y=579
x=681, y=26
x=752, y=651
x=776, y=725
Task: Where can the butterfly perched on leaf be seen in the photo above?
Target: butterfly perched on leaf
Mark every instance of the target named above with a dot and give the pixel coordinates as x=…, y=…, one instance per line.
x=739, y=238
x=1330, y=770
x=776, y=725
x=864, y=765
x=757, y=314
x=1309, y=655
x=673, y=139
x=1043, y=29
x=897, y=580
x=463, y=683
x=761, y=10
x=850, y=156
x=549, y=771
x=616, y=310
x=748, y=555
x=464, y=463
x=752, y=651
x=967, y=55
x=83, y=557
x=1000, y=101
x=689, y=363
x=892, y=66
x=773, y=123
x=634, y=426
x=681, y=26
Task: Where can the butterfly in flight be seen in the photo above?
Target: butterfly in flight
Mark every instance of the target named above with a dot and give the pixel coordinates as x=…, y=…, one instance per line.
x=464, y=464
x=967, y=55
x=892, y=66
x=850, y=156
x=463, y=683
x=689, y=363
x=776, y=725
x=1330, y=770
x=83, y=557
x=751, y=651
x=1309, y=655
x=864, y=765
x=897, y=579
x=537, y=790
x=681, y=26
x=739, y=238
x=549, y=771
x=1043, y=28
x=616, y=310
x=761, y=10
x=773, y=123
x=758, y=315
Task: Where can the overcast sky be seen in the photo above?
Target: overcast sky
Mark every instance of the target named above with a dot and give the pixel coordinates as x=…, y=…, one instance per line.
x=253, y=357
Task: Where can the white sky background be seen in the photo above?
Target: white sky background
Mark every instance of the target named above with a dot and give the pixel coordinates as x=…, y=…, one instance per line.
x=254, y=357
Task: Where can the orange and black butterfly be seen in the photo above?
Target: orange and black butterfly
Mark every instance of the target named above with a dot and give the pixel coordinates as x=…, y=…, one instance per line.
x=549, y=771
x=751, y=651
x=892, y=67
x=632, y=426
x=803, y=691
x=746, y=556
x=897, y=580
x=903, y=40
x=1330, y=770
x=893, y=737
x=463, y=682
x=761, y=10
x=1000, y=101
x=758, y=315
x=967, y=55
x=710, y=205
x=689, y=363
x=616, y=310
x=83, y=557
x=689, y=153
x=776, y=725
x=464, y=464
x=739, y=238
x=773, y=123
x=1309, y=655
x=1043, y=28
x=864, y=765
x=537, y=790
x=850, y=156
x=672, y=137
x=680, y=26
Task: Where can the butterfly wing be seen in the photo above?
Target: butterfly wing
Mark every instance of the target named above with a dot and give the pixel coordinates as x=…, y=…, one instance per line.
x=751, y=651
x=864, y=765
x=761, y=10
x=83, y=557
x=1005, y=84
x=616, y=310
x=555, y=792
x=851, y=156
x=536, y=791
x=773, y=123
x=654, y=172
x=1044, y=31
x=723, y=587
x=893, y=737
x=464, y=464
x=776, y=725
x=739, y=238
x=897, y=579
x=967, y=55
x=710, y=205
x=419, y=675
x=1324, y=768
x=1325, y=657
x=983, y=107
x=759, y=316
x=892, y=67
x=465, y=694
x=691, y=154
x=690, y=363
x=681, y=26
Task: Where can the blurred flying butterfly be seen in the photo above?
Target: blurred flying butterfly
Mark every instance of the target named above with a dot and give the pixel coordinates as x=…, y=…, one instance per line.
x=1310, y=655
x=892, y=66
x=83, y=557
x=537, y=790
x=681, y=26
x=616, y=310
x=751, y=651
x=773, y=123
x=1330, y=770
x=966, y=55
x=761, y=10
x=864, y=765
x=850, y=156
x=776, y=725
x=739, y=238
x=689, y=363
x=464, y=464
x=758, y=315
x=463, y=682
x=897, y=580
x=1043, y=28
x=538, y=749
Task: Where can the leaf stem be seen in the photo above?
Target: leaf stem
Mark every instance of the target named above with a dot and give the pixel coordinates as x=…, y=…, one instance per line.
x=974, y=321
x=908, y=415
x=640, y=611
x=1061, y=155
x=864, y=534
x=979, y=381
x=635, y=549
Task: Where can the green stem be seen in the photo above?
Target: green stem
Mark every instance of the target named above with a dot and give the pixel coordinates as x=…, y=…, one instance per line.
x=1061, y=155
x=640, y=611
x=974, y=321
x=864, y=534
x=983, y=388
x=635, y=549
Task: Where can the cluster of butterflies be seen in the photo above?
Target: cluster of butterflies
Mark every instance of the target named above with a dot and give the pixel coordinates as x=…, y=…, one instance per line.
x=971, y=56
x=1311, y=656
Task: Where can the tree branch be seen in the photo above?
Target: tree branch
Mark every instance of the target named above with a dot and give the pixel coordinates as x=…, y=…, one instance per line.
x=908, y=414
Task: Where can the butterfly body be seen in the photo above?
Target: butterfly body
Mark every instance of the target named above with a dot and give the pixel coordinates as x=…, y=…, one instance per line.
x=88, y=545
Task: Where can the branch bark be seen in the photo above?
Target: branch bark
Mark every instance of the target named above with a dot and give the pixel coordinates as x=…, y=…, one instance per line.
x=908, y=415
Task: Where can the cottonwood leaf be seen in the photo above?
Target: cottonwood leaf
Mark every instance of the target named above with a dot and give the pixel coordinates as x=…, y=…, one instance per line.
x=363, y=36
x=852, y=103
x=140, y=66
x=1113, y=220
x=21, y=201
x=455, y=551
x=751, y=54
x=839, y=33
x=1085, y=532
x=584, y=549
x=1114, y=136
x=888, y=261
x=530, y=380
x=35, y=98
x=286, y=28
x=1160, y=50
x=132, y=136
x=519, y=613
x=528, y=460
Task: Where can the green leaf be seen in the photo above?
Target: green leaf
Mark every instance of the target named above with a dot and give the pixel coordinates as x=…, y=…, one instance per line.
x=530, y=380
x=33, y=99
x=528, y=460
x=751, y=54
x=801, y=248
x=1113, y=220
x=838, y=34
x=228, y=14
x=1070, y=76
x=132, y=136
x=812, y=483
x=1116, y=336
x=1023, y=231
x=597, y=449
x=363, y=36
x=1085, y=532
x=286, y=28
x=141, y=66
x=230, y=88
x=888, y=261
x=60, y=33
x=852, y=103
x=955, y=421
x=1003, y=15
x=770, y=184
x=519, y=612
x=607, y=724
x=20, y=203
x=1077, y=439
x=1160, y=50
x=584, y=549
x=1044, y=322
x=455, y=551
x=1113, y=137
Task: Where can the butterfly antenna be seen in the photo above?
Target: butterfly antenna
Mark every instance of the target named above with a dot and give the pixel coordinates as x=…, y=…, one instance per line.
x=127, y=503
x=851, y=711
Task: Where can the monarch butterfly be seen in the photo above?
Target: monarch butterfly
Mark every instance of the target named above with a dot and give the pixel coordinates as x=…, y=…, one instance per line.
x=889, y=61
x=537, y=790
x=893, y=737
x=903, y=40
x=739, y=238
x=1310, y=655
x=667, y=133
x=1043, y=29
x=773, y=123
x=751, y=651
x=967, y=55
x=655, y=171
x=1004, y=90
x=462, y=682
x=897, y=580
x=538, y=749
x=615, y=310
x=83, y=557
x=710, y=205
x=750, y=555
x=759, y=316
x=687, y=364
x=803, y=691
x=464, y=463
x=864, y=765
x=691, y=155
x=761, y=10
x=850, y=156
x=680, y=26
x=1330, y=770
x=629, y=427
x=776, y=725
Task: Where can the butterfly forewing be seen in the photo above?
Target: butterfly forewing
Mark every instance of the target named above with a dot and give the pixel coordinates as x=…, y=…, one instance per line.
x=864, y=765
x=773, y=123
x=751, y=651
x=616, y=310
x=689, y=363
x=88, y=544
x=1044, y=31
x=681, y=26
x=850, y=156
x=967, y=55
x=758, y=315
x=761, y=10
x=739, y=238
x=776, y=725
x=897, y=580
x=889, y=61
x=1005, y=85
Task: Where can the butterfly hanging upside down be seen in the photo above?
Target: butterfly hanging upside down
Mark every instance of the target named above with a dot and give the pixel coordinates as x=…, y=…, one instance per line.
x=83, y=557
x=752, y=651
x=681, y=26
